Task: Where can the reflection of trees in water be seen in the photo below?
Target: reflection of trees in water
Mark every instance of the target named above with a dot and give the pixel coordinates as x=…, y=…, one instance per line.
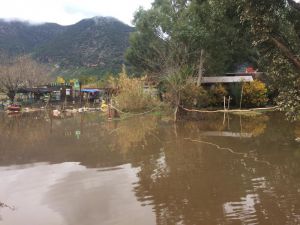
x=185, y=182
x=132, y=133
x=25, y=129
x=190, y=183
x=86, y=138
x=182, y=184
x=254, y=125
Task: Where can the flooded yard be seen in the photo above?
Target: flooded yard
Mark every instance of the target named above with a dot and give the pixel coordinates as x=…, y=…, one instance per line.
x=83, y=169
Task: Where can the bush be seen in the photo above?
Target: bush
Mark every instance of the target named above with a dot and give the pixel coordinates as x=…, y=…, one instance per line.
x=194, y=96
x=132, y=96
x=254, y=94
x=217, y=94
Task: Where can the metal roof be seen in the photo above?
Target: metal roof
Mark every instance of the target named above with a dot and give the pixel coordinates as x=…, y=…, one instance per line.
x=227, y=79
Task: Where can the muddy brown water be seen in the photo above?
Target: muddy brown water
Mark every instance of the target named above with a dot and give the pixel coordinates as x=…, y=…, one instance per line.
x=84, y=170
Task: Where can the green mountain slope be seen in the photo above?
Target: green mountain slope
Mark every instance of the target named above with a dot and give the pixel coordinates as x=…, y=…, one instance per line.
x=21, y=37
x=96, y=44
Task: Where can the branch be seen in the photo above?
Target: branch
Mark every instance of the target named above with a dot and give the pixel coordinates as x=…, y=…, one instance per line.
x=286, y=52
x=294, y=4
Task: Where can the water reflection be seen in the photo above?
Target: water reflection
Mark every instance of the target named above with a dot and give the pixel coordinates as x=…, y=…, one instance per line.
x=146, y=170
x=40, y=138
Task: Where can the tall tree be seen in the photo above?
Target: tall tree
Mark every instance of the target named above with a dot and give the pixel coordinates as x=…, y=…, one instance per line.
x=205, y=35
x=275, y=27
x=156, y=44
x=218, y=31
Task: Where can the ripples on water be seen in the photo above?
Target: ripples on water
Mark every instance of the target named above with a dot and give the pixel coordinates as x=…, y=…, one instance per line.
x=147, y=170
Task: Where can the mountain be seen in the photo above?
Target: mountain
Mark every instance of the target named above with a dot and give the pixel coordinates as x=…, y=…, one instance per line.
x=21, y=37
x=97, y=44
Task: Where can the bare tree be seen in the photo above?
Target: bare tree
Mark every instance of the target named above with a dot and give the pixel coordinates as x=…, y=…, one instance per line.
x=21, y=72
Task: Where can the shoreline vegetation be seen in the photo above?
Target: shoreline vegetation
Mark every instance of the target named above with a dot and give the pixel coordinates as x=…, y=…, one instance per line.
x=175, y=95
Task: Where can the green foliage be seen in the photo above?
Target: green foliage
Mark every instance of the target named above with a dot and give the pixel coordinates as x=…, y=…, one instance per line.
x=217, y=29
x=216, y=94
x=286, y=82
x=275, y=28
x=193, y=96
x=173, y=33
x=132, y=97
x=175, y=82
x=254, y=94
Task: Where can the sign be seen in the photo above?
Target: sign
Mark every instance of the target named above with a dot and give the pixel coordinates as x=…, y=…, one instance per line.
x=68, y=92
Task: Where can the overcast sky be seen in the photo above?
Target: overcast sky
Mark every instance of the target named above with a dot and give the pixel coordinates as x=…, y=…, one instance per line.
x=67, y=12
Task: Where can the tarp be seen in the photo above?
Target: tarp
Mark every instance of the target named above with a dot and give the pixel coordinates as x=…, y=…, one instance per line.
x=90, y=90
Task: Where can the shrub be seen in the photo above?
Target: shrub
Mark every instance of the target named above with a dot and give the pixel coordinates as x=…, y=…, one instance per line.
x=254, y=94
x=131, y=94
x=194, y=96
x=217, y=94
x=60, y=80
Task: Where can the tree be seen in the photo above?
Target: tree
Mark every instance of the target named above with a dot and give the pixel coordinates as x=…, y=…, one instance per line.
x=200, y=36
x=155, y=46
x=19, y=73
x=205, y=35
x=176, y=81
x=275, y=28
x=275, y=23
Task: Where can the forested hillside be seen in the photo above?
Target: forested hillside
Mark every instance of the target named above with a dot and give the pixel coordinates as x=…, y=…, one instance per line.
x=96, y=44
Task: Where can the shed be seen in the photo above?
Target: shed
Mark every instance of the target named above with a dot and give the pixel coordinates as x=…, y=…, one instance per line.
x=233, y=84
x=92, y=94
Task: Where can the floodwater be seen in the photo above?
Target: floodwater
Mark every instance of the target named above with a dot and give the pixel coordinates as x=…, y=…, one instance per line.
x=85, y=170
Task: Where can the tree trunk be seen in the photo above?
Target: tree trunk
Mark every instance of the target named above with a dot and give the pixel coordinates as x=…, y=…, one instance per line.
x=201, y=68
x=242, y=92
x=287, y=53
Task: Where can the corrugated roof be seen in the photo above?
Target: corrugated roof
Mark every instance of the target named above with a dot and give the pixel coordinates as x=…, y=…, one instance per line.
x=227, y=79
